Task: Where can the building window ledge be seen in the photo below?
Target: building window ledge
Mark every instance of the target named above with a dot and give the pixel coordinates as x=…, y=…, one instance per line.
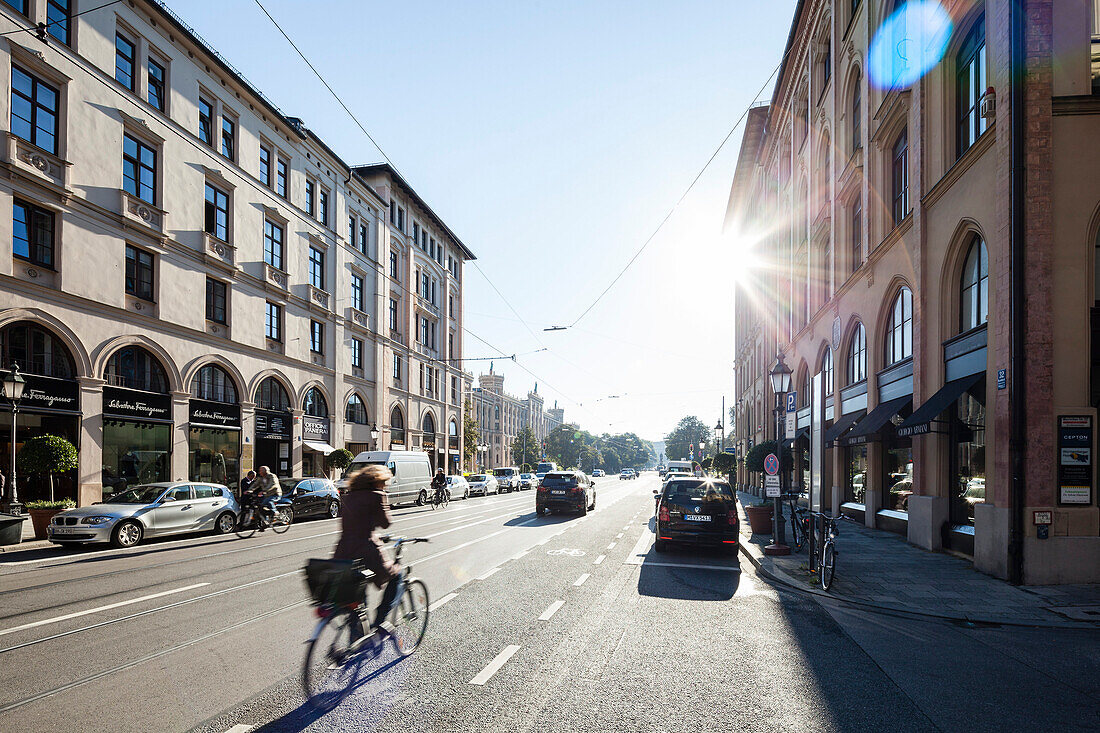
x=219, y=253
x=276, y=277
x=38, y=163
x=218, y=329
x=275, y=346
x=141, y=305
x=359, y=318
x=142, y=213
x=318, y=299
x=34, y=273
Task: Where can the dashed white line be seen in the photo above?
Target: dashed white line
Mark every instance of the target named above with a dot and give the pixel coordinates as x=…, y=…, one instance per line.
x=619, y=536
x=551, y=610
x=599, y=559
x=494, y=666
x=611, y=546
x=108, y=607
x=240, y=728
x=580, y=580
x=519, y=555
x=445, y=599
x=485, y=576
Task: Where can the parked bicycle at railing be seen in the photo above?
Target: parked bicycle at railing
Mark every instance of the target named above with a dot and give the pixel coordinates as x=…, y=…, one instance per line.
x=800, y=522
x=825, y=557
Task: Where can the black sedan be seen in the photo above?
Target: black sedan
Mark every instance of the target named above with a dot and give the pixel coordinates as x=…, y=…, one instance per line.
x=697, y=511
x=312, y=497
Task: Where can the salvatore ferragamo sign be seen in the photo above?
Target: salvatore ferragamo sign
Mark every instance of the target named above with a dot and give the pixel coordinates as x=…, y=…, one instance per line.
x=133, y=403
x=207, y=414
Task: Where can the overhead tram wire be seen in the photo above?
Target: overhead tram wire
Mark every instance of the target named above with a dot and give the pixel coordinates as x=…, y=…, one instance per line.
x=679, y=201
x=510, y=307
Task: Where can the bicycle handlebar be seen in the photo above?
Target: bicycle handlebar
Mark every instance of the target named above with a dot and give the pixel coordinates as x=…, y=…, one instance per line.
x=401, y=540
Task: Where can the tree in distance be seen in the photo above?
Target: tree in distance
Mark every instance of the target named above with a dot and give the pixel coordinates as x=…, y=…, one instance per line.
x=685, y=438
x=525, y=448
x=471, y=436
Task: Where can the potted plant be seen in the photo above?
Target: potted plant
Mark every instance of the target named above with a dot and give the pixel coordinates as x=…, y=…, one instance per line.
x=760, y=515
x=42, y=514
x=340, y=458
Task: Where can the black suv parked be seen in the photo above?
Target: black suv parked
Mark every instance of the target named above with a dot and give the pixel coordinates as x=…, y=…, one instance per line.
x=565, y=490
x=697, y=511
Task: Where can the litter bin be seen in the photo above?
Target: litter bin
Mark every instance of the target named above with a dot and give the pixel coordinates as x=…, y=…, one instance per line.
x=11, y=529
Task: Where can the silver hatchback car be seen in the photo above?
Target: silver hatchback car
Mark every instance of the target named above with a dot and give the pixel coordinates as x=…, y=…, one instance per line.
x=148, y=510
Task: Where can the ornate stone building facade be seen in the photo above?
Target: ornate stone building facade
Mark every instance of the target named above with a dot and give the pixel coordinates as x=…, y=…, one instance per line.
x=500, y=417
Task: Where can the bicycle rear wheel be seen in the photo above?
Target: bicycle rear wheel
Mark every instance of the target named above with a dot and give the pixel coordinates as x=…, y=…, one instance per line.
x=246, y=525
x=283, y=517
x=410, y=617
x=330, y=669
x=828, y=564
x=798, y=532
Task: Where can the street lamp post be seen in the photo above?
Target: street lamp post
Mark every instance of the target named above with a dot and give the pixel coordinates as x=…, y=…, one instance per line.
x=13, y=385
x=781, y=384
x=374, y=436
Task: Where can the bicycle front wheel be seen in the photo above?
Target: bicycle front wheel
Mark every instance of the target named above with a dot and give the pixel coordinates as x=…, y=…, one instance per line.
x=828, y=565
x=798, y=533
x=283, y=517
x=410, y=617
x=331, y=669
x=246, y=525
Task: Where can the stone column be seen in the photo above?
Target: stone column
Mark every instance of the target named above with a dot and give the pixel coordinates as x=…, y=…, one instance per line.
x=90, y=468
x=296, y=444
x=181, y=437
x=248, y=438
x=871, y=482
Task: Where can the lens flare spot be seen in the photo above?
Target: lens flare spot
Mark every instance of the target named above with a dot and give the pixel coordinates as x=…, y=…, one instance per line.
x=908, y=44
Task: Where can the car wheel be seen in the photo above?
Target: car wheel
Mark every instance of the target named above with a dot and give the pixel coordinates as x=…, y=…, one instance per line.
x=584, y=509
x=592, y=506
x=466, y=494
x=127, y=534
x=422, y=498
x=333, y=509
x=226, y=523
x=660, y=546
x=539, y=510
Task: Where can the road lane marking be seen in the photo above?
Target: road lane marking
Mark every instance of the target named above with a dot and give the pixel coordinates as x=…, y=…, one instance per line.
x=494, y=666
x=731, y=568
x=517, y=557
x=108, y=607
x=611, y=546
x=580, y=580
x=485, y=576
x=641, y=549
x=599, y=559
x=551, y=610
x=445, y=599
x=619, y=536
x=240, y=728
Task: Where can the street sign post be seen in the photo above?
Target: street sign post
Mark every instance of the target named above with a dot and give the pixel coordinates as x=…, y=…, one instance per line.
x=771, y=487
x=771, y=464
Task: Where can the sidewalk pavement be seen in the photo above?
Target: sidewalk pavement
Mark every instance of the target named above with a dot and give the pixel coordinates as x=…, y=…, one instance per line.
x=881, y=569
x=27, y=540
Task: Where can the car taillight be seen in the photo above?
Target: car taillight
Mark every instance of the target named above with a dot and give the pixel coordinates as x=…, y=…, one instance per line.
x=540, y=487
x=662, y=513
x=731, y=517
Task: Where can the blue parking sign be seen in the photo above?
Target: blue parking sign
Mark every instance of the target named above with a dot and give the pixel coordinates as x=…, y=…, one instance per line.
x=792, y=401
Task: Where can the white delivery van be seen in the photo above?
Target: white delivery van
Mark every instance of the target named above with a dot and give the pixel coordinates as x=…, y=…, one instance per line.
x=412, y=474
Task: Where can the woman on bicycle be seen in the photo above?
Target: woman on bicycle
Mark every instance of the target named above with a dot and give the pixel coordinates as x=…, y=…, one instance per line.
x=364, y=509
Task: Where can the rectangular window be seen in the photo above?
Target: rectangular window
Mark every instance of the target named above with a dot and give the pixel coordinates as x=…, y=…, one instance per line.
x=33, y=110
x=265, y=166
x=311, y=203
x=281, y=177
x=363, y=237
x=139, y=273
x=395, y=270
x=316, y=268
x=323, y=209
x=215, y=300
x=124, y=62
x=352, y=229
x=400, y=218
x=206, y=122
x=273, y=244
x=229, y=138
x=357, y=300
x=416, y=232
x=217, y=212
x=58, y=14
x=397, y=368
x=970, y=87
x=32, y=233
x=139, y=169
x=273, y=322
x=393, y=213
x=156, y=84
x=393, y=314
x=356, y=354
x=450, y=346
x=857, y=234
x=454, y=390
x=317, y=337
x=900, y=177
x=20, y=6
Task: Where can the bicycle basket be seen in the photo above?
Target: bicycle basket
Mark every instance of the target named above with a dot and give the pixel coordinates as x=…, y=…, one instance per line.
x=335, y=581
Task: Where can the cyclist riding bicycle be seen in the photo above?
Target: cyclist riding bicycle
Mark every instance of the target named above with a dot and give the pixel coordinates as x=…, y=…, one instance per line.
x=364, y=509
x=439, y=482
x=268, y=489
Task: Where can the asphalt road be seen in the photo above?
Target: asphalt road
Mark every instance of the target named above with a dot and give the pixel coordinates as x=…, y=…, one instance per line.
x=568, y=623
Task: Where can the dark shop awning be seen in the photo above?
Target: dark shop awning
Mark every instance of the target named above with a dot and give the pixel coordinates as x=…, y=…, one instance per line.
x=876, y=419
x=921, y=420
x=841, y=425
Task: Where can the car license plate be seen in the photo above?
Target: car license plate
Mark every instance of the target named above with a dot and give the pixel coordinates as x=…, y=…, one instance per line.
x=558, y=491
x=64, y=530
x=696, y=518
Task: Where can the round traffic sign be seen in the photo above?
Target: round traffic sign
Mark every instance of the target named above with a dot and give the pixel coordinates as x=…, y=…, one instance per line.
x=771, y=464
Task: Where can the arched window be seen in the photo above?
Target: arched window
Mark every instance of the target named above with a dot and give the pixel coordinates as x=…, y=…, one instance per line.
x=899, y=330
x=314, y=404
x=36, y=350
x=428, y=424
x=970, y=86
x=397, y=426
x=857, y=355
x=214, y=383
x=827, y=371
x=271, y=395
x=356, y=411
x=857, y=115
x=135, y=368
x=452, y=429
x=974, y=295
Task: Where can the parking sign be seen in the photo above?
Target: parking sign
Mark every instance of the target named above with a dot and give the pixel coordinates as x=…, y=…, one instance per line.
x=792, y=401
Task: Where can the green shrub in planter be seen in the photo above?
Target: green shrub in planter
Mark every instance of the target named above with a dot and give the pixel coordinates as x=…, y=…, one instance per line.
x=48, y=454
x=58, y=505
x=340, y=459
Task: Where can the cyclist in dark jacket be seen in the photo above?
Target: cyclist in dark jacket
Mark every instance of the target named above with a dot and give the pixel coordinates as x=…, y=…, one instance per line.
x=439, y=481
x=364, y=509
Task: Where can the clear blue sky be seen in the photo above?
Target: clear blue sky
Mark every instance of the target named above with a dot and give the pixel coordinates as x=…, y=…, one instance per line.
x=552, y=138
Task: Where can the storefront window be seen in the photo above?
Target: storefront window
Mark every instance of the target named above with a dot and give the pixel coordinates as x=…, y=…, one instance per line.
x=134, y=453
x=856, y=485
x=968, y=455
x=897, y=467
x=215, y=456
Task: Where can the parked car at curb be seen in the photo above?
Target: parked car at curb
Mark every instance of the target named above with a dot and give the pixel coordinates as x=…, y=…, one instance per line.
x=527, y=481
x=698, y=512
x=312, y=497
x=483, y=484
x=412, y=474
x=148, y=510
x=508, y=478
x=458, y=487
x=571, y=490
